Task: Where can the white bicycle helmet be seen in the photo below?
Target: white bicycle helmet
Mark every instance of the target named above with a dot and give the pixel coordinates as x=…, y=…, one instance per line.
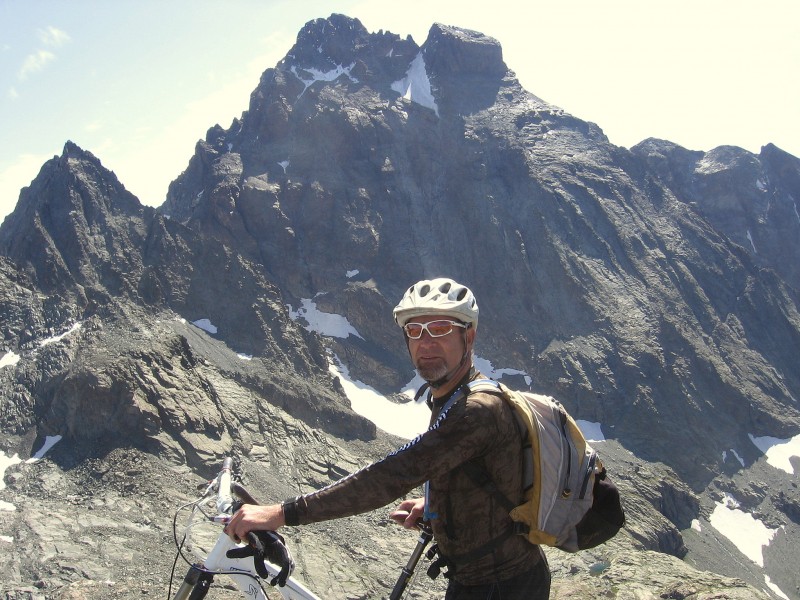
x=440, y=296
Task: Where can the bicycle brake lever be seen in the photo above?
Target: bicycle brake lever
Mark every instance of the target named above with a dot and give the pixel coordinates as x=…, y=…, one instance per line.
x=239, y=490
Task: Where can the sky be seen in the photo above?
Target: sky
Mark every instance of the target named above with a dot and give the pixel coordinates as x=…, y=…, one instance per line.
x=138, y=83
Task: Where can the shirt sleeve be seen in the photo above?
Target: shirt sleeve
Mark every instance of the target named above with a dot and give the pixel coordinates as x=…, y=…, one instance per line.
x=468, y=430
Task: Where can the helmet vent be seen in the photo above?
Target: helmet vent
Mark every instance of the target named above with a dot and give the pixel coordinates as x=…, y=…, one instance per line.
x=425, y=290
x=462, y=294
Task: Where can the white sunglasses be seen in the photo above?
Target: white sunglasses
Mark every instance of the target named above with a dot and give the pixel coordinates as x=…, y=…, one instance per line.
x=434, y=328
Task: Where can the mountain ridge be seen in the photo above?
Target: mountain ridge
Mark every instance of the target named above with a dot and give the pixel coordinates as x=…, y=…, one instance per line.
x=365, y=198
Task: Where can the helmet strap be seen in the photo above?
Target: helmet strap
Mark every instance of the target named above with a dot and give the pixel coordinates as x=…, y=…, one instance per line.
x=443, y=380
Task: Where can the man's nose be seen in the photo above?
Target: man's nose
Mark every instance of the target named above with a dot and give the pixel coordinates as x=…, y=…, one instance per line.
x=427, y=339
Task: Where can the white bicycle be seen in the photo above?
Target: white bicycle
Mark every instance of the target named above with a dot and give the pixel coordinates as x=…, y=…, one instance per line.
x=264, y=558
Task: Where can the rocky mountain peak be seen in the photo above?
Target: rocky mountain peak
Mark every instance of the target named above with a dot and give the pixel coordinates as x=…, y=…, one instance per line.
x=749, y=198
x=457, y=53
x=56, y=229
x=337, y=40
x=97, y=191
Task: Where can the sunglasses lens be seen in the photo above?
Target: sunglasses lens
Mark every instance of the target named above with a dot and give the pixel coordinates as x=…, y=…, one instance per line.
x=439, y=328
x=413, y=330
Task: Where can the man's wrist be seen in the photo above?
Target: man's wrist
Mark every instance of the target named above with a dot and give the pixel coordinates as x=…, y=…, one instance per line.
x=291, y=515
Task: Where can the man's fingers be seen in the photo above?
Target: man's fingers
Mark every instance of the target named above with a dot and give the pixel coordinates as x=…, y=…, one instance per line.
x=399, y=516
x=232, y=535
x=411, y=522
x=231, y=529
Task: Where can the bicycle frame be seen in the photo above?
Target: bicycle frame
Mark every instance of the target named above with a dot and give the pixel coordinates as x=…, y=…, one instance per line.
x=240, y=570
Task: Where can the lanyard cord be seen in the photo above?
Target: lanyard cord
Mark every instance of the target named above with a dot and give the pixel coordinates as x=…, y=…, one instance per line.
x=461, y=390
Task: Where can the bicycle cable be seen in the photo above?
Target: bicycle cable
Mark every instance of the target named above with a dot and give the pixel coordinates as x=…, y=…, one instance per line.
x=179, y=545
x=197, y=507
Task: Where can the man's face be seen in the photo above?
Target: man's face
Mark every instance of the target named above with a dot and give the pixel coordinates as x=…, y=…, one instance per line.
x=435, y=357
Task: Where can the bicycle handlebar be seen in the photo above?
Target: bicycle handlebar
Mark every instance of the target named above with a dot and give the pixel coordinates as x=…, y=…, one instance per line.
x=224, y=498
x=264, y=554
x=226, y=489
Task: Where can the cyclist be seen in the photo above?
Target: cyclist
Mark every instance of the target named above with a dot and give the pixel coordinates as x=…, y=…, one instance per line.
x=474, y=533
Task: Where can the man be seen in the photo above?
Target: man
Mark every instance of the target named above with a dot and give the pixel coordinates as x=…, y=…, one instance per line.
x=475, y=535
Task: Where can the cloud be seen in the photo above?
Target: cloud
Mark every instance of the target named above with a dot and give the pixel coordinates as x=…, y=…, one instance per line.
x=53, y=37
x=93, y=126
x=50, y=37
x=35, y=62
x=12, y=93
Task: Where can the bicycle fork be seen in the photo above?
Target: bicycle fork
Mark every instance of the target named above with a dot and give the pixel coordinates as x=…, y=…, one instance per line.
x=425, y=536
x=195, y=585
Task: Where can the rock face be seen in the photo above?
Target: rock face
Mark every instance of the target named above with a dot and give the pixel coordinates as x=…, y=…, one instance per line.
x=653, y=290
x=99, y=258
x=750, y=199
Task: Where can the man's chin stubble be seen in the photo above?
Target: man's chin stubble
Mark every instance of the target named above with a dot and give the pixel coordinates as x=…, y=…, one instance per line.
x=432, y=372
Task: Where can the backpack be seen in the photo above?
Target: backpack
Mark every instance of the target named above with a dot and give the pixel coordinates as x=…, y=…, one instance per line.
x=569, y=501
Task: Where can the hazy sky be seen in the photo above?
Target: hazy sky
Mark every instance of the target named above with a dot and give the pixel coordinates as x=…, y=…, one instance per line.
x=138, y=83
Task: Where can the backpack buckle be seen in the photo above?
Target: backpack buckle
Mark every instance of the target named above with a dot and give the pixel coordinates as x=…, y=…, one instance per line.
x=520, y=528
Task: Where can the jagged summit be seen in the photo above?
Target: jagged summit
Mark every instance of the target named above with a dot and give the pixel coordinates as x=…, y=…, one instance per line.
x=456, y=52
x=67, y=220
x=339, y=46
x=337, y=40
x=74, y=164
x=746, y=197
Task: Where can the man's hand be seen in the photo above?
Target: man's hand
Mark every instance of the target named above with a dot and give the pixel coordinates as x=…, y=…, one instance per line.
x=409, y=512
x=253, y=517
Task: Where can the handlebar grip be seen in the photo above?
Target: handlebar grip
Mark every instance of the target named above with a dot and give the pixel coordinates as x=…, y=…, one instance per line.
x=224, y=499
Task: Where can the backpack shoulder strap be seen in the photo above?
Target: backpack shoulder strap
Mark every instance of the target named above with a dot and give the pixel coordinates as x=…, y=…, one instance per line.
x=485, y=385
x=477, y=473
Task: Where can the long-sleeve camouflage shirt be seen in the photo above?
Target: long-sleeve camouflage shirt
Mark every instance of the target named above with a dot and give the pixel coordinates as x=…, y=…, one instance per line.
x=480, y=428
